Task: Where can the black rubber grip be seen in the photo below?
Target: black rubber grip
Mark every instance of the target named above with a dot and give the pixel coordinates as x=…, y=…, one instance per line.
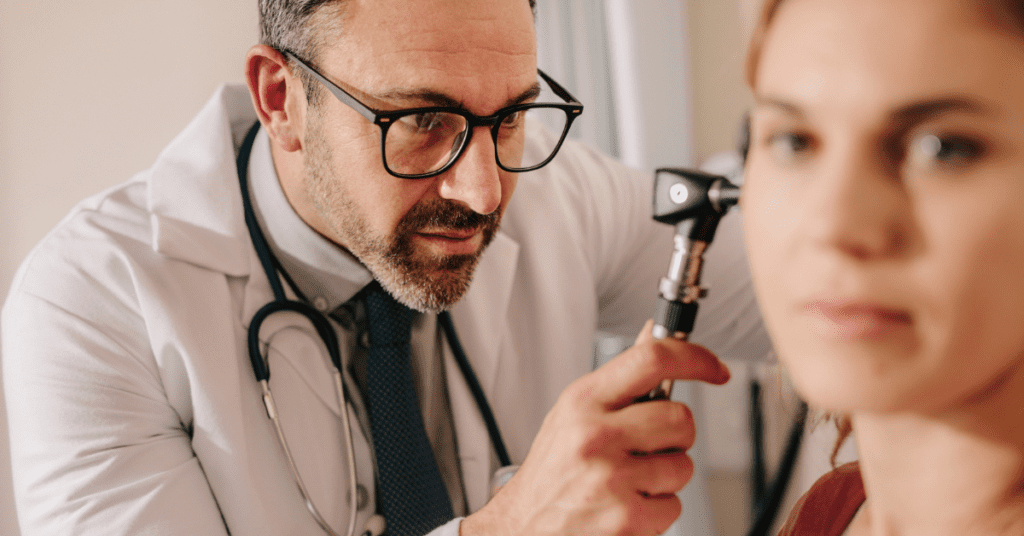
x=675, y=316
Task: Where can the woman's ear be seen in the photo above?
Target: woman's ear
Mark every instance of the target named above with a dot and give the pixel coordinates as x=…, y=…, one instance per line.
x=277, y=95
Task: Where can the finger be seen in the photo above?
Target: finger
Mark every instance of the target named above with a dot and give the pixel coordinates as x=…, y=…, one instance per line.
x=654, y=426
x=660, y=475
x=642, y=367
x=655, y=514
x=646, y=333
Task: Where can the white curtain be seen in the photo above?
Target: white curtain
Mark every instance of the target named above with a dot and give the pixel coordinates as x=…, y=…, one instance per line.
x=628, y=62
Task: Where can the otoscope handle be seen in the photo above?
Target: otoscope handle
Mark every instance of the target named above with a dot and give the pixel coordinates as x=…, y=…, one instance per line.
x=674, y=317
x=694, y=202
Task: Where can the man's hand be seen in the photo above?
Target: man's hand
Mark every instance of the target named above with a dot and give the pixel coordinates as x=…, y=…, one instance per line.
x=602, y=464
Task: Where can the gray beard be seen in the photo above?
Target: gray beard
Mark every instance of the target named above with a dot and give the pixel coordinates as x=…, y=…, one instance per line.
x=424, y=282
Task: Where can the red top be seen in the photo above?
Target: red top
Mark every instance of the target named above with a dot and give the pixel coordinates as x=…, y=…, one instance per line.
x=829, y=506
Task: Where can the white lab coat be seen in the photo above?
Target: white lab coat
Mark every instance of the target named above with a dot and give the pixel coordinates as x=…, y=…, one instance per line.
x=132, y=403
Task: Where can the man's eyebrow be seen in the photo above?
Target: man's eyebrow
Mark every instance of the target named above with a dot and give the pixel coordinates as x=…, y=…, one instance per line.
x=531, y=93
x=436, y=98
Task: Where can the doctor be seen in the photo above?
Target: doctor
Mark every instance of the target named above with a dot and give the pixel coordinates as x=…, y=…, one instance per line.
x=133, y=408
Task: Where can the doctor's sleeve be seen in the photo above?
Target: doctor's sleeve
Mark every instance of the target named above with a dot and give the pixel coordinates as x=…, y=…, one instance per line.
x=96, y=448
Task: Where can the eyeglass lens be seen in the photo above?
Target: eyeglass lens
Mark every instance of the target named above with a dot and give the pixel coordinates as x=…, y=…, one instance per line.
x=426, y=142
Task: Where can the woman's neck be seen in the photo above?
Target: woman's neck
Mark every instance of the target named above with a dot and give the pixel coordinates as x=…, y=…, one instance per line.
x=959, y=472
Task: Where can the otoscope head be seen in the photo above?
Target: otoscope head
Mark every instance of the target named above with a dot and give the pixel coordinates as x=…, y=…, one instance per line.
x=692, y=198
x=681, y=194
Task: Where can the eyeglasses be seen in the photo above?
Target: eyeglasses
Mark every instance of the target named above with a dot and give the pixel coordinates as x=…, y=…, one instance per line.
x=417, y=143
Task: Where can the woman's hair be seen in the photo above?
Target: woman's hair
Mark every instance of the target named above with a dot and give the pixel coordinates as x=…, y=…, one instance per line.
x=1007, y=14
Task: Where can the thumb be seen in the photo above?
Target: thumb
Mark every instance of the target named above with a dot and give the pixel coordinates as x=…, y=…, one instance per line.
x=646, y=333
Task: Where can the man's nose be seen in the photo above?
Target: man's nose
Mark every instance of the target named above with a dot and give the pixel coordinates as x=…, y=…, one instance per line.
x=475, y=180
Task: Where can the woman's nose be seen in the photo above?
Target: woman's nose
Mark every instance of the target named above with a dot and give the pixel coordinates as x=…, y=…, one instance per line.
x=858, y=206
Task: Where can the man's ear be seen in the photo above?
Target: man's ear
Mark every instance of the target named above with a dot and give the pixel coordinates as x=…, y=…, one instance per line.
x=277, y=95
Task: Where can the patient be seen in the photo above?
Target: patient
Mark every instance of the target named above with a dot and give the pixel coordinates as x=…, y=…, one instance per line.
x=884, y=210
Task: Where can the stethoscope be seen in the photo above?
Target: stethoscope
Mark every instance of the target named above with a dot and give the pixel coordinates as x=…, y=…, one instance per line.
x=376, y=524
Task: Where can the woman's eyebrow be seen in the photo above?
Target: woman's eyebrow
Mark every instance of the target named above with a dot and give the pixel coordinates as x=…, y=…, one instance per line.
x=908, y=114
x=918, y=112
x=763, y=101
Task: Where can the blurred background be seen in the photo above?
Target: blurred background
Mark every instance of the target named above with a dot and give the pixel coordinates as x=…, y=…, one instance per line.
x=90, y=92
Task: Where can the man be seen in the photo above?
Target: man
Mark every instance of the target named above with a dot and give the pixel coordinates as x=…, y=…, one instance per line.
x=132, y=404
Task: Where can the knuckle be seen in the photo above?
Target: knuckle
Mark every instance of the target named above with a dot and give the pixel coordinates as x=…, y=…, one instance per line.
x=651, y=359
x=680, y=416
x=597, y=439
x=617, y=519
x=683, y=471
x=578, y=393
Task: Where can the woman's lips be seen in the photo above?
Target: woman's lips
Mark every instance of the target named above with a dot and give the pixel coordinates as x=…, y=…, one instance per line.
x=855, y=320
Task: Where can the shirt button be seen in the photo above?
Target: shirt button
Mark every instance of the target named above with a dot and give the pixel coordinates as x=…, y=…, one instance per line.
x=320, y=303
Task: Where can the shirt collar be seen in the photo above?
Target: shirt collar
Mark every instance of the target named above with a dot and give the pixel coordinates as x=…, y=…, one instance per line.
x=324, y=272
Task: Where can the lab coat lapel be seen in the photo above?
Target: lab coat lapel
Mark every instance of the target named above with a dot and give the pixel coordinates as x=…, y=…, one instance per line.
x=196, y=214
x=480, y=319
x=196, y=209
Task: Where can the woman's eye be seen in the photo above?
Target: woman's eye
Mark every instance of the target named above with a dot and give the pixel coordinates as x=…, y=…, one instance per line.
x=933, y=150
x=787, y=146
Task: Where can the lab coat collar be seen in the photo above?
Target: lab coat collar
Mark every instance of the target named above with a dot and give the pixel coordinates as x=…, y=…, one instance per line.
x=196, y=215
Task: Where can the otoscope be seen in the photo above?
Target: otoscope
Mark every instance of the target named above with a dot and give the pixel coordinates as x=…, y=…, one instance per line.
x=695, y=202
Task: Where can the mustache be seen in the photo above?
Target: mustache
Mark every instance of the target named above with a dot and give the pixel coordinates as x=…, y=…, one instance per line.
x=447, y=214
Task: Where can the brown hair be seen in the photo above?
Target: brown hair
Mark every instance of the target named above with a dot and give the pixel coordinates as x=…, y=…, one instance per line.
x=1008, y=14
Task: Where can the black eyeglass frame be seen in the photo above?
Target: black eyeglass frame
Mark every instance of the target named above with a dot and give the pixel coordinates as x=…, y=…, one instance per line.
x=384, y=119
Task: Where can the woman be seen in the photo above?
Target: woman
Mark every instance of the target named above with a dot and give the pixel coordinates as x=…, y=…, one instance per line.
x=884, y=210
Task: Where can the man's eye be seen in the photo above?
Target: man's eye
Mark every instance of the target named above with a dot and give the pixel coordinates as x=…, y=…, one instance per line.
x=426, y=121
x=787, y=146
x=930, y=150
x=513, y=119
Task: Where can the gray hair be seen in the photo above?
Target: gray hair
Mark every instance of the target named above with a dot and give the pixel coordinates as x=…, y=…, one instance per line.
x=289, y=25
x=286, y=25
x=293, y=26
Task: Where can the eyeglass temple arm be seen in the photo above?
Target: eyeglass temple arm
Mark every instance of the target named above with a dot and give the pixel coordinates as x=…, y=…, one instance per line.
x=369, y=113
x=558, y=89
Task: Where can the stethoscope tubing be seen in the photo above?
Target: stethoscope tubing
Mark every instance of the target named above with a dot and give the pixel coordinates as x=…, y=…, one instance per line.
x=260, y=366
x=327, y=334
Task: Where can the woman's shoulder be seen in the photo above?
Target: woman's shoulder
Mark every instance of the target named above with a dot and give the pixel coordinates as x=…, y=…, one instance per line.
x=827, y=508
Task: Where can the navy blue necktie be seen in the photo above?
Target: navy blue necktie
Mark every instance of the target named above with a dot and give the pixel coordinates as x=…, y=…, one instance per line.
x=413, y=497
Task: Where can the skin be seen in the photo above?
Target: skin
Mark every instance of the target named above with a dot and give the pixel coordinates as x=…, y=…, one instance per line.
x=883, y=214
x=600, y=464
x=329, y=158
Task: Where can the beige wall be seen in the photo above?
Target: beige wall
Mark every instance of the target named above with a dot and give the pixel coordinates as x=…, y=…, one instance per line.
x=718, y=34
x=89, y=94
x=91, y=91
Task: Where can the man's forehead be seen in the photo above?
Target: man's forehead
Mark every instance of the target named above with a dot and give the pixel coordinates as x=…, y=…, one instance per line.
x=476, y=52
x=442, y=24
